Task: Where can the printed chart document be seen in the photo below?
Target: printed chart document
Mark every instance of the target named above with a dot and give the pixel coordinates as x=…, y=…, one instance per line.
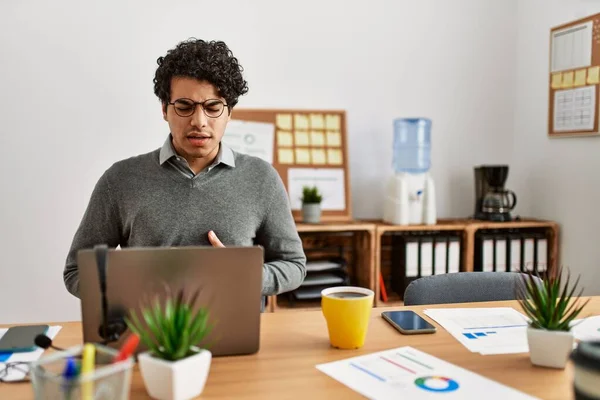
x=499, y=330
x=18, y=373
x=407, y=373
x=252, y=138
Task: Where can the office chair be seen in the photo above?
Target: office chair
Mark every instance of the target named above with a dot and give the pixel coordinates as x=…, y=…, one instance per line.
x=463, y=287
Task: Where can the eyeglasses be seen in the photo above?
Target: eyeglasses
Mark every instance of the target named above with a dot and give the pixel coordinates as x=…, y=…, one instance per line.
x=213, y=108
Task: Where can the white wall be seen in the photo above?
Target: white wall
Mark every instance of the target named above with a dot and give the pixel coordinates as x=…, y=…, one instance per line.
x=77, y=95
x=555, y=178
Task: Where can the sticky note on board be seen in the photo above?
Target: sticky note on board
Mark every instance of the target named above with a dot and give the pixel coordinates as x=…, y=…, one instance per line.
x=556, y=80
x=334, y=157
x=593, y=75
x=284, y=121
x=316, y=121
x=580, y=77
x=567, y=81
x=334, y=139
x=301, y=138
x=332, y=122
x=302, y=156
x=300, y=121
x=285, y=139
x=318, y=156
x=286, y=156
x=317, y=138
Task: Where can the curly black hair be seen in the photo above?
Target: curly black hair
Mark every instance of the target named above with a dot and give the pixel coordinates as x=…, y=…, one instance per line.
x=205, y=61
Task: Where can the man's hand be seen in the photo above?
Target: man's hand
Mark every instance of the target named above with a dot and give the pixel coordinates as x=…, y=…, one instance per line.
x=214, y=240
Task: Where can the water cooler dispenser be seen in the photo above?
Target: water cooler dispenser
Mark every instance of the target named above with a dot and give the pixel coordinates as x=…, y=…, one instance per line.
x=410, y=193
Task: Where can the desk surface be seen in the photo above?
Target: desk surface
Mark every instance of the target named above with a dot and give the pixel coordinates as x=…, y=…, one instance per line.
x=293, y=343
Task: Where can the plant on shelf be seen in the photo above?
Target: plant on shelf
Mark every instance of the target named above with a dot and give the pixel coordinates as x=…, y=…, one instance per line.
x=176, y=365
x=311, y=204
x=552, y=306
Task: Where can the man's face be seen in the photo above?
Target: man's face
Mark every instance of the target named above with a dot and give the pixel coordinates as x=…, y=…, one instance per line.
x=195, y=137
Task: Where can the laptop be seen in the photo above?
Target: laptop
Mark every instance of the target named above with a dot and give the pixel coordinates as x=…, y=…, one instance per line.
x=230, y=280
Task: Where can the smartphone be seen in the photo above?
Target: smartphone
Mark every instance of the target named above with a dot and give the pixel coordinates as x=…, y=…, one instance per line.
x=408, y=322
x=21, y=338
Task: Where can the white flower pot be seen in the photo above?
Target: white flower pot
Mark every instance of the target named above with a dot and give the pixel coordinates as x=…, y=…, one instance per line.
x=311, y=213
x=175, y=380
x=549, y=348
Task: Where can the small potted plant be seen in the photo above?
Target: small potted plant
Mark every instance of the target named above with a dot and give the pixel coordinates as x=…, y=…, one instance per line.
x=175, y=366
x=311, y=204
x=551, y=307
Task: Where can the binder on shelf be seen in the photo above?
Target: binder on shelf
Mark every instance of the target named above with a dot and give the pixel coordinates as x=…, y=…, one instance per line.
x=500, y=253
x=453, y=259
x=528, y=263
x=541, y=254
x=405, y=261
x=487, y=253
x=440, y=255
x=514, y=252
x=426, y=256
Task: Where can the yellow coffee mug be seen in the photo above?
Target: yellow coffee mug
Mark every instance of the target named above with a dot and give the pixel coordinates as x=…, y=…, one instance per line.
x=347, y=310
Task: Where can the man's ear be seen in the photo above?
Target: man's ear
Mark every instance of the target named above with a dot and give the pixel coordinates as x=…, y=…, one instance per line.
x=164, y=110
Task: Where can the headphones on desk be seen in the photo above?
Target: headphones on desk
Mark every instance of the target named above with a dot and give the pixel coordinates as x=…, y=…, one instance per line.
x=112, y=326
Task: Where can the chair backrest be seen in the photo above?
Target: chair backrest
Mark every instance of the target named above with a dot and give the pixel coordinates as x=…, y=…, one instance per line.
x=463, y=287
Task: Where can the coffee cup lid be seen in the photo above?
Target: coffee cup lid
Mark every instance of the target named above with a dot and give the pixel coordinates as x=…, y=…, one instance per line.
x=587, y=355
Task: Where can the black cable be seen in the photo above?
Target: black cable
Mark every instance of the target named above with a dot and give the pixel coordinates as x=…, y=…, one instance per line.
x=5, y=369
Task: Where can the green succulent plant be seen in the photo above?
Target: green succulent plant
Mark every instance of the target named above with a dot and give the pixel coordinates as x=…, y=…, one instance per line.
x=311, y=195
x=172, y=328
x=551, y=305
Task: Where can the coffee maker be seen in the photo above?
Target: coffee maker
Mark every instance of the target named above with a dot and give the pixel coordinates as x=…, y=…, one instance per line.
x=492, y=201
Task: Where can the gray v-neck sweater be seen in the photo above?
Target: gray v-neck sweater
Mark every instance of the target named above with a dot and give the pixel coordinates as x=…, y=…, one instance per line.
x=139, y=202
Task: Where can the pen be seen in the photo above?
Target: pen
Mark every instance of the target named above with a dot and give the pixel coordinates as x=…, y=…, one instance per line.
x=87, y=370
x=128, y=348
x=68, y=374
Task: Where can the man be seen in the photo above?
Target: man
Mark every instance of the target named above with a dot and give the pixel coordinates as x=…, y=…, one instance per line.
x=194, y=190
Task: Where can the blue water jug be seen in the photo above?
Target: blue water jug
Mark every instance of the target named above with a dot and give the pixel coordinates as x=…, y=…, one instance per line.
x=412, y=145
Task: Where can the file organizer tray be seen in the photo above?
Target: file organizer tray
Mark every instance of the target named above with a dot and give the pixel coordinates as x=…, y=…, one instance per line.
x=108, y=381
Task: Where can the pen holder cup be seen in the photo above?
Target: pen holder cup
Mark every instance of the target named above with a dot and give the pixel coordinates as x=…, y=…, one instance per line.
x=108, y=380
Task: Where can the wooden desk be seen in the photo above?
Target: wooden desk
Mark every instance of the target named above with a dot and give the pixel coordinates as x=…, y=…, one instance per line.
x=293, y=343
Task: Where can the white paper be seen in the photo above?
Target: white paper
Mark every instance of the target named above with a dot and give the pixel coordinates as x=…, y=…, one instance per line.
x=407, y=373
x=252, y=138
x=572, y=47
x=18, y=374
x=499, y=330
x=574, y=109
x=588, y=329
x=329, y=181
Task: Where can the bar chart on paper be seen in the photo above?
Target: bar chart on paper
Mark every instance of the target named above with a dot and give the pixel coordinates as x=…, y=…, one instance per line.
x=500, y=330
x=406, y=372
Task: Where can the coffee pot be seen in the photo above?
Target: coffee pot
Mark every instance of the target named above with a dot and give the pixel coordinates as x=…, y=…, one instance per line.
x=499, y=201
x=493, y=202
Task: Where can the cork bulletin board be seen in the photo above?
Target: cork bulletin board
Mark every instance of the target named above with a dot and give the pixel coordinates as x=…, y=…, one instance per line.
x=306, y=147
x=574, y=78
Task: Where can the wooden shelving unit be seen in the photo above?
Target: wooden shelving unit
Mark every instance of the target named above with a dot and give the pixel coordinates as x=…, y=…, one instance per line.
x=358, y=240
x=467, y=229
x=367, y=245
